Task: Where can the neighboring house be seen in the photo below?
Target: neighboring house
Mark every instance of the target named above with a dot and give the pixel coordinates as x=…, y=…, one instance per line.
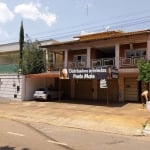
x=13, y=85
x=116, y=49
x=10, y=80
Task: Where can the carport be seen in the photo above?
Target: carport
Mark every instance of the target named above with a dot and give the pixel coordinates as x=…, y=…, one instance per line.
x=41, y=80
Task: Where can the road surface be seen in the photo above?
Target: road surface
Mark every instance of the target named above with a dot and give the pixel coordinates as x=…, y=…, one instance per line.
x=18, y=136
x=39, y=136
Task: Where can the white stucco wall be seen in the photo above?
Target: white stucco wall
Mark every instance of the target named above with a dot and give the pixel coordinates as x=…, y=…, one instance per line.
x=9, y=47
x=9, y=85
x=32, y=84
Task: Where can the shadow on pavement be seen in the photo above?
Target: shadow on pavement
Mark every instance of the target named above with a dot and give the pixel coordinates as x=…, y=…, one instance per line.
x=11, y=148
x=91, y=102
x=7, y=148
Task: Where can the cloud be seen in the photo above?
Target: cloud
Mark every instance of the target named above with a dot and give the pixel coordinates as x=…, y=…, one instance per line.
x=31, y=11
x=5, y=14
x=3, y=33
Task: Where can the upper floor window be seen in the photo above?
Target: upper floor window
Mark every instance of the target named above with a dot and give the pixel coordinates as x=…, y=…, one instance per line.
x=135, y=53
x=80, y=58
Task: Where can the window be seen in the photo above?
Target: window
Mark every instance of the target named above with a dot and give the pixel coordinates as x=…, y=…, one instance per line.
x=80, y=58
x=135, y=53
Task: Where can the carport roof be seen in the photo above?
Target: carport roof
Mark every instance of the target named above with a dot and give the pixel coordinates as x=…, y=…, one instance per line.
x=44, y=75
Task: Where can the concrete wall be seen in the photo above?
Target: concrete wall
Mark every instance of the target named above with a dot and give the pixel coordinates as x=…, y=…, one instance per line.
x=11, y=87
x=32, y=84
x=20, y=88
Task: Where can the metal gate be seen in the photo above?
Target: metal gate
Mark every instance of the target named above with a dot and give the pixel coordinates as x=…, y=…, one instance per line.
x=131, y=89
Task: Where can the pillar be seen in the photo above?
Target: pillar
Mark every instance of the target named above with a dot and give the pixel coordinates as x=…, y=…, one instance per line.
x=117, y=55
x=88, y=65
x=66, y=58
x=47, y=63
x=148, y=48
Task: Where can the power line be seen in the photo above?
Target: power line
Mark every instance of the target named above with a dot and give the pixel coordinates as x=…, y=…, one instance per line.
x=115, y=25
x=95, y=22
x=96, y=26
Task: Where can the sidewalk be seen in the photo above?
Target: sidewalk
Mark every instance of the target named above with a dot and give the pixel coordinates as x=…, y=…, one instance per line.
x=127, y=119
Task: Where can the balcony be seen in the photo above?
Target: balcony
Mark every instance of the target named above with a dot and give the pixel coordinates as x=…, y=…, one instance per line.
x=97, y=63
x=103, y=62
x=54, y=66
x=129, y=62
x=77, y=64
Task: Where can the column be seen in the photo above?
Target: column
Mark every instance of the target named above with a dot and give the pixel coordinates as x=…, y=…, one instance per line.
x=148, y=48
x=117, y=57
x=47, y=63
x=88, y=65
x=66, y=58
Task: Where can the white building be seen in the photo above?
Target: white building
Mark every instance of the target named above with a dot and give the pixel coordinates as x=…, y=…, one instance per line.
x=13, y=85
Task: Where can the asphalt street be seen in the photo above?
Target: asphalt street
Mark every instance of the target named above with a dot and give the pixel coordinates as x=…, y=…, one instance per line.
x=18, y=136
x=79, y=139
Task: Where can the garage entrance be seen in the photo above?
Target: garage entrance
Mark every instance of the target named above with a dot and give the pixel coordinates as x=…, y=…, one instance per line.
x=83, y=89
x=131, y=89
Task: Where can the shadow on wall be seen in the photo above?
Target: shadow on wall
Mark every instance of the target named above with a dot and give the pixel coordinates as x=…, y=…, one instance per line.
x=11, y=148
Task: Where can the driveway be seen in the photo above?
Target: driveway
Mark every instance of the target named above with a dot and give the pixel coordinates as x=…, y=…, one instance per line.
x=128, y=119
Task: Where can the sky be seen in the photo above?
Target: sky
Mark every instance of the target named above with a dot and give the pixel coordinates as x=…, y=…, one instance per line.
x=63, y=19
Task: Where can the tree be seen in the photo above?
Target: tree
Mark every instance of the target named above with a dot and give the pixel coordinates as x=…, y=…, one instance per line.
x=21, y=43
x=33, y=58
x=144, y=71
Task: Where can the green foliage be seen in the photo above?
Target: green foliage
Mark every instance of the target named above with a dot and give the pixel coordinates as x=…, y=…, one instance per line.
x=33, y=59
x=21, y=42
x=144, y=71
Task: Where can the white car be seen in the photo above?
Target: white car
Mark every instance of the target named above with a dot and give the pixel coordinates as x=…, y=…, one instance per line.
x=45, y=94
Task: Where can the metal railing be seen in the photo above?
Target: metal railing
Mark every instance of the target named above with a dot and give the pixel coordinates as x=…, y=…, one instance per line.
x=103, y=62
x=77, y=64
x=130, y=62
x=97, y=63
x=54, y=66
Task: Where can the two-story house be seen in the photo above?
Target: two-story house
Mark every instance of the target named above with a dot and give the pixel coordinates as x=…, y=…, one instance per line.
x=116, y=49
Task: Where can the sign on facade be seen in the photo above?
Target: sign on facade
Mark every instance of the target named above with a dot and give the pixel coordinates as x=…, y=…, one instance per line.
x=114, y=73
x=89, y=73
x=86, y=73
x=103, y=83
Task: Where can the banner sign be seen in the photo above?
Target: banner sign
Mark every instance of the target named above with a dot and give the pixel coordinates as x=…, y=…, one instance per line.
x=87, y=73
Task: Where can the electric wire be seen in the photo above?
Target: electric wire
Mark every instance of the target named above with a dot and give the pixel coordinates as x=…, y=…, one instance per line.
x=95, y=26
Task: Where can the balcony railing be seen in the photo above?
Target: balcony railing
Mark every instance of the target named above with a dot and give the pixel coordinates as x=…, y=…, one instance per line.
x=77, y=64
x=54, y=66
x=103, y=62
x=130, y=62
x=96, y=63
